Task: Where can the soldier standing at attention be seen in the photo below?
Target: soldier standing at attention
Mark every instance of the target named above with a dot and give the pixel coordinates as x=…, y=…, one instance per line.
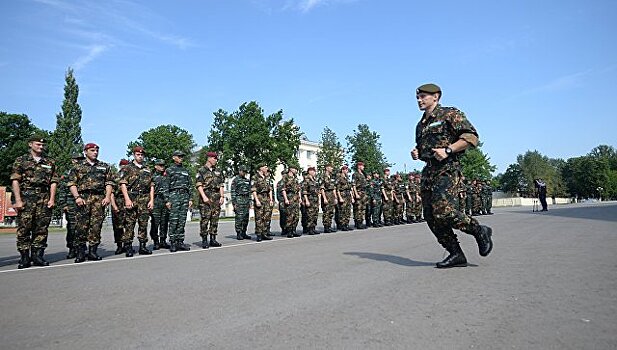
x=329, y=198
x=290, y=193
x=137, y=188
x=34, y=182
x=388, y=198
x=441, y=135
x=281, y=203
x=241, y=200
x=409, y=196
x=262, y=195
x=358, y=180
x=179, y=201
x=346, y=198
x=210, y=185
x=376, y=199
x=399, y=197
x=91, y=183
x=160, y=212
x=118, y=213
x=368, y=209
x=310, y=194
x=67, y=203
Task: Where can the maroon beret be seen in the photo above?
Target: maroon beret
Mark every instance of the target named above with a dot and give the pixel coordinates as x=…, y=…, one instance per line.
x=360, y=163
x=123, y=162
x=212, y=154
x=138, y=149
x=90, y=145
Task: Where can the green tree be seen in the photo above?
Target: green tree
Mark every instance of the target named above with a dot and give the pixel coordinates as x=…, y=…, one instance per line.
x=364, y=146
x=66, y=138
x=331, y=150
x=246, y=137
x=476, y=164
x=15, y=129
x=513, y=181
x=162, y=141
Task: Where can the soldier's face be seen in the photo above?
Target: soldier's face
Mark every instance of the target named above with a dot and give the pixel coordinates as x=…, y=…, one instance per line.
x=177, y=159
x=139, y=157
x=212, y=161
x=329, y=169
x=427, y=101
x=36, y=147
x=159, y=168
x=92, y=153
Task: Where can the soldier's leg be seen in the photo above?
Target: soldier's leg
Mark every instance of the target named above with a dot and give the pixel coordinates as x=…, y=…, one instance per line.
x=130, y=220
x=142, y=222
x=183, y=207
x=70, y=231
x=25, y=225
x=204, y=222
x=214, y=224
x=97, y=217
x=42, y=218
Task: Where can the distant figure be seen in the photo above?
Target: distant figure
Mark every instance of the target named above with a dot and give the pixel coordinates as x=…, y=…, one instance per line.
x=541, y=192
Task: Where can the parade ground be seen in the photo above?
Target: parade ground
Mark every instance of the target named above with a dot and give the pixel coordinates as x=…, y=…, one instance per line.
x=549, y=283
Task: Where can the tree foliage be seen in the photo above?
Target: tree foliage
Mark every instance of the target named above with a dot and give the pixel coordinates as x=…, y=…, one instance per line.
x=364, y=146
x=331, y=152
x=247, y=137
x=162, y=141
x=66, y=138
x=476, y=164
x=15, y=129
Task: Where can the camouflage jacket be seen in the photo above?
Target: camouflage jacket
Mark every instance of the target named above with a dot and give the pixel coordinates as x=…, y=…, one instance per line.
x=343, y=185
x=240, y=190
x=291, y=187
x=138, y=180
x=388, y=186
x=441, y=128
x=359, y=181
x=261, y=185
x=211, y=179
x=89, y=177
x=310, y=188
x=327, y=183
x=33, y=175
x=161, y=185
x=179, y=179
x=65, y=198
x=376, y=186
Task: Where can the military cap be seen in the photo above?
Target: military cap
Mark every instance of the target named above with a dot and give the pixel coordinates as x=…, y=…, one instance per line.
x=87, y=146
x=123, y=162
x=77, y=156
x=328, y=165
x=212, y=155
x=428, y=88
x=310, y=168
x=261, y=165
x=292, y=166
x=386, y=170
x=159, y=162
x=138, y=149
x=360, y=163
x=37, y=138
x=178, y=153
x=344, y=167
x=242, y=168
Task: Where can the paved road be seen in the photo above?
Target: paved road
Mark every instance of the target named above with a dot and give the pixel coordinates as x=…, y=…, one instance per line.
x=550, y=283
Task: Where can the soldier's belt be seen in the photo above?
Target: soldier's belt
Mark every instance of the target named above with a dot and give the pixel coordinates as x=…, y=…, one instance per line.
x=184, y=190
x=91, y=192
x=35, y=190
x=139, y=192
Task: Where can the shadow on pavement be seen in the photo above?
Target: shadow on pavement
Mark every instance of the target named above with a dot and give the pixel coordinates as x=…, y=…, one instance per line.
x=603, y=212
x=398, y=260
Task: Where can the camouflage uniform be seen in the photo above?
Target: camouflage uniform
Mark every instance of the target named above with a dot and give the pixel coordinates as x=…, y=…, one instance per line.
x=409, y=200
x=241, y=200
x=310, y=192
x=441, y=181
x=263, y=214
x=368, y=209
x=35, y=180
x=118, y=217
x=344, y=189
x=160, y=212
x=488, y=197
x=359, y=207
x=67, y=203
x=212, y=181
x=376, y=201
x=469, y=198
x=400, y=190
x=91, y=181
x=291, y=187
x=417, y=203
x=180, y=186
x=328, y=185
x=477, y=201
x=138, y=182
x=388, y=203
x=281, y=204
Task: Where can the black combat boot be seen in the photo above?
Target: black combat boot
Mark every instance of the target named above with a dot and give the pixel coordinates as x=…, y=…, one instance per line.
x=239, y=236
x=119, y=249
x=172, y=247
x=72, y=253
x=143, y=250
x=204, y=242
x=181, y=246
x=128, y=249
x=258, y=238
x=245, y=236
x=24, y=261
x=315, y=232
x=164, y=244
x=37, y=257
x=288, y=232
x=456, y=258
x=266, y=238
x=483, y=237
x=213, y=241
x=92, y=255
x=327, y=229
x=156, y=245
x=81, y=254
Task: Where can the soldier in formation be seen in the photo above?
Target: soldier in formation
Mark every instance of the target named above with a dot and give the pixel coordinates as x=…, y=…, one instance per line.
x=118, y=212
x=160, y=212
x=376, y=198
x=290, y=195
x=310, y=195
x=359, y=192
x=179, y=201
x=346, y=198
x=261, y=190
x=209, y=185
x=329, y=198
x=67, y=203
x=241, y=201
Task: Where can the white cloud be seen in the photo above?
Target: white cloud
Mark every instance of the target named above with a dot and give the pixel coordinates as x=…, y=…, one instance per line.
x=93, y=52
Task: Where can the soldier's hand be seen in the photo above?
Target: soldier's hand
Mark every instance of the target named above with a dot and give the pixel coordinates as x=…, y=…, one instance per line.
x=221, y=201
x=168, y=205
x=325, y=201
x=65, y=208
x=271, y=203
x=258, y=203
x=106, y=201
x=190, y=204
x=128, y=204
x=205, y=199
x=414, y=154
x=440, y=153
x=51, y=203
x=80, y=201
x=286, y=201
x=19, y=205
x=150, y=205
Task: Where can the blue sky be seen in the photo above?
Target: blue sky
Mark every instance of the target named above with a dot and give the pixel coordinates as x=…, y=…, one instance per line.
x=530, y=75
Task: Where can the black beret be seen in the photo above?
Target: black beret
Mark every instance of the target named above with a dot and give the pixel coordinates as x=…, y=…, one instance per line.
x=428, y=88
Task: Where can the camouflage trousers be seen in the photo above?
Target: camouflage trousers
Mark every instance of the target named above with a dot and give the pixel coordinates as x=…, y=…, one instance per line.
x=242, y=216
x=477, y=204
x=33, y=221
x=177, y=214
x=89, y=219
x=488, y=204
x=416, y=207
x=469, y=203
x=462, y=203
x=138, y=214
x=210, y=213
x=345, y=209
x=440, y=203
x=292, y=215
x=117, y=219
x=328, y=209
x=160, y=220
x=388, y=210
x=263, y=215
x=377, y=208
x=399, y=207
x=312, y=212
x=69, y=213
x=359, y=207
x=282, y=216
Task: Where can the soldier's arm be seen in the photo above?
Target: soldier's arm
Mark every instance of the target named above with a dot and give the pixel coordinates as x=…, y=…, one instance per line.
x=234, y=195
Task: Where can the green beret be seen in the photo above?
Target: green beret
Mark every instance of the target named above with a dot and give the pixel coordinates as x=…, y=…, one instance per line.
x=428, y=88
x=262, y=164
x=178, y=153
x=242, y=168
x=159, y=162
x=37, y=138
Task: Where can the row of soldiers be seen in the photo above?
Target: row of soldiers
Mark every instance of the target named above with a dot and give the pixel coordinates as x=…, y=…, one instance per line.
x=476, y=197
